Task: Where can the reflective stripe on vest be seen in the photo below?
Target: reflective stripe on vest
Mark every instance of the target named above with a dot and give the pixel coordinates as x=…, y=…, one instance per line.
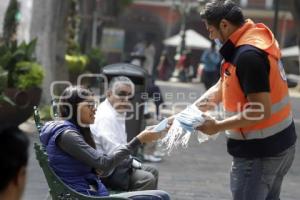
x=281, y=104
x=275, y=107
x=261, y=133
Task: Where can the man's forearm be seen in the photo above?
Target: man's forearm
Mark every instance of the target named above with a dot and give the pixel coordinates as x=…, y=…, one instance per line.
x=258, y=109
x=210, y=99
x=241, y=120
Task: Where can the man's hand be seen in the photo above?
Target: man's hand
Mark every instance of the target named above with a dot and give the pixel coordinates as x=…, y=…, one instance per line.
x=206, y=105
x=210, y=126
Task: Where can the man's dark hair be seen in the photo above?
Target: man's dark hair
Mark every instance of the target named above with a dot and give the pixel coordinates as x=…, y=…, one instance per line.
x=13, y=155
x=216, y=10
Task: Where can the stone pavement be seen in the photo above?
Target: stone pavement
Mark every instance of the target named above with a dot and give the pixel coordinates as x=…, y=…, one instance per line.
x=200, y=172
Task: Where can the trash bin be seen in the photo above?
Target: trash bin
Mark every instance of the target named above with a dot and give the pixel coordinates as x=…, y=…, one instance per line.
x=138, y=76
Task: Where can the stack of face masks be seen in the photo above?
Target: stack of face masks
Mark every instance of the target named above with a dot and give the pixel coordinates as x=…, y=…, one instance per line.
x=184, y=125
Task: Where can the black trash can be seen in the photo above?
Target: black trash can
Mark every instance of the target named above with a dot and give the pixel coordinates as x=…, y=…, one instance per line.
x=138, y=76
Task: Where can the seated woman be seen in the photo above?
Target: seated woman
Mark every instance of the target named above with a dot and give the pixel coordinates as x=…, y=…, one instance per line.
x=72, y=152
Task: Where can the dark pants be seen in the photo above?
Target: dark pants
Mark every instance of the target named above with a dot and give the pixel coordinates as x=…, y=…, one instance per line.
x=144, y=179
x=130, y=179
x=155, y=94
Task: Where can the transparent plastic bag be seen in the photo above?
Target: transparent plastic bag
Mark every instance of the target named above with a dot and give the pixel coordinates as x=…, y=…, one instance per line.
x=183, y=126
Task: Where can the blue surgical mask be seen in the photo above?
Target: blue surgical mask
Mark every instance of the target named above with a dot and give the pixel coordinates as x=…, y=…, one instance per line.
x=218, y=42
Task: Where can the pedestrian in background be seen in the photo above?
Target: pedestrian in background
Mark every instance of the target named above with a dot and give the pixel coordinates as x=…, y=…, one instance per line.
x=149, y=53
x=164, y=66
x=182, y=67
x=211, y=61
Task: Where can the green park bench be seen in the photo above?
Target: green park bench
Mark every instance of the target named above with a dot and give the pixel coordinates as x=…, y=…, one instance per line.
x=57, y=188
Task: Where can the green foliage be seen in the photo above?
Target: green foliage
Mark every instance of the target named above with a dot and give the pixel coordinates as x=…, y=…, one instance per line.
x=17, y=62
x=96, y=60
x=72, y=47
x=3, y=79
x=76, y=63
x=4, y=98
x=3, y=84
x=11, y=21
x=115, y=7
x=125, y=3
x=72, y=28
x=11, y=54
x=28, y=74
x=45, y=113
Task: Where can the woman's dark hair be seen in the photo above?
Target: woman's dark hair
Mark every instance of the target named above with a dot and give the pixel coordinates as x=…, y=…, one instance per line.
x=216, y=10
x=69, y=101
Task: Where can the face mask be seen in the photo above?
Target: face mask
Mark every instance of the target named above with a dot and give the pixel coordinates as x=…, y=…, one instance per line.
x=218, y=42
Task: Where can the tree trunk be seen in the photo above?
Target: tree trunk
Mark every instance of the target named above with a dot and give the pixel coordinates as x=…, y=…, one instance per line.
x=295, y=7
x=3, y=7
x=296, y=15
x=86, y=11
x=48, y=24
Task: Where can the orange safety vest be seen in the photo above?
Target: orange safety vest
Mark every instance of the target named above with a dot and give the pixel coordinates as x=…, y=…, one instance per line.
x=234, y=100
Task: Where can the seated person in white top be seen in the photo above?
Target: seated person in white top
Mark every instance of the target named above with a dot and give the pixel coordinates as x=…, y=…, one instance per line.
x=109, y=132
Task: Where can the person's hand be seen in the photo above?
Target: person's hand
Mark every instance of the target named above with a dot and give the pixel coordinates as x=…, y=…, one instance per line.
x=148, y=136
x=210, y=126
x=170, y=121
x=163, y=126
x=205, y=105
x=99, y=173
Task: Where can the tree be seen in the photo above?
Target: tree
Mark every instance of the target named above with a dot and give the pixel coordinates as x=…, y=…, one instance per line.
x=86, y=12
x=11, y=22
x=49, y=20
x=296, y=16
x=115, y=7
x=295, y=7
x=105, y=11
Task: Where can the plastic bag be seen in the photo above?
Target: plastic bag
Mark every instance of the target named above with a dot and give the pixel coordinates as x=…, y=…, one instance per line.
x=184, y=125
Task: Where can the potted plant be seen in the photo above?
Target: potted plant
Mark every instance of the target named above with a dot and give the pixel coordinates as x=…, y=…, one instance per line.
x=76, y=64
x=20, y=77
x=20, y=74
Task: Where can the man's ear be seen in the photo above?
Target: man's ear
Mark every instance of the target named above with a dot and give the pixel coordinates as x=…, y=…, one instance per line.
x=224, y=23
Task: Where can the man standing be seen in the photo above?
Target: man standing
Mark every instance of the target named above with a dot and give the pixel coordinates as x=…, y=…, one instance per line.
x=149, y=53
x=13, y=158
x=211, y=60
x=253, y=89
x=109, y=132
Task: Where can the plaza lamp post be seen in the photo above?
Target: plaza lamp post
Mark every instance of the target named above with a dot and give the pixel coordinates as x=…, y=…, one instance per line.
x=184, y=8
x=275, y=23
x=183, y=11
